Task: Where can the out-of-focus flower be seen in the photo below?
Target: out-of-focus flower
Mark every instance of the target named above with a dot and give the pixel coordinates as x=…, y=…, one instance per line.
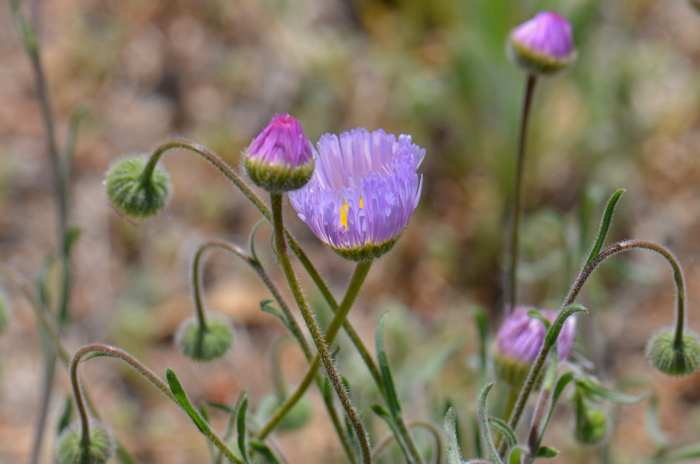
x=519, y=340
x=543, y=45
x=280, y=158
x=363, y=192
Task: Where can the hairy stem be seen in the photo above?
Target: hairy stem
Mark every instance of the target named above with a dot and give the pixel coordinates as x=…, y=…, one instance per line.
x=320, y=342
x=110, y=351
x=511, y=268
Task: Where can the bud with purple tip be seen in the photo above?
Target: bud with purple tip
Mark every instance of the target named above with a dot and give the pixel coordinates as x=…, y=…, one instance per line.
x=519, y=340
x=543, y=45
x=280, y=158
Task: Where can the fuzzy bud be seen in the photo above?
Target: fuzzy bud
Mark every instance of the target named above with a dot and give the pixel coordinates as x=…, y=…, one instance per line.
x=591, y=425
x=70, y=450
x=673, y=359
x=208, y=344
x=4, y=312
x=542, y=45
x=131, y=193
x=280, y=158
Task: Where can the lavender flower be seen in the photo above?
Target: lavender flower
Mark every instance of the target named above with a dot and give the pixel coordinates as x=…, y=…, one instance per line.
x=363, y=192
x=280, y=158
x=543, y=45
x=520, y=338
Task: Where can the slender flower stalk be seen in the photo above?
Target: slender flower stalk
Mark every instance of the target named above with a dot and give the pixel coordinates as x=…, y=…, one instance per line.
x=321, y=344
x=513, y=236
x=105, y=350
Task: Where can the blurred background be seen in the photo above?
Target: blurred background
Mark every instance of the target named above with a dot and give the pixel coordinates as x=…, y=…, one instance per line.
x=626, y=115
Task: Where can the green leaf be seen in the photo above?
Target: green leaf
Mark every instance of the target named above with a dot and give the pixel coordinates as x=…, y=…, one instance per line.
x=481, y=323
x=69, y=149
x=66, y=415
x=240, y=427
x=516, y=453
x=27, y=34
x=652, y=421
x=391, y=422
x=251, y=239
x=484, y=424
x=547, y=452
x=185, y=404
x=387, y=380
x=596, y=389
x=553, y=333
x=478, y=448
x=72, y=235
x=505, y=429
x=266, y=306
x=563, y=381
x=454, y=453
x=123, y=455
x=262, y=449
x=604, y=226
x=535, y=314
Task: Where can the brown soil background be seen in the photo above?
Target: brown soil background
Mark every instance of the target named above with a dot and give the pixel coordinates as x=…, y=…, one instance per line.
x=627, y=115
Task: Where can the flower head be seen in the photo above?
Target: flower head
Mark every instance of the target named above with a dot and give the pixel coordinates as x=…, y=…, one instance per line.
x=280, y=158
x=544, y=44
x=363, y=192
x=520, y=338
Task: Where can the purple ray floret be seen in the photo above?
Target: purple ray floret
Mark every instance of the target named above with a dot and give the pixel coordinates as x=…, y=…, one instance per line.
x=282, y=142
x=364, y=189
x=521, y=337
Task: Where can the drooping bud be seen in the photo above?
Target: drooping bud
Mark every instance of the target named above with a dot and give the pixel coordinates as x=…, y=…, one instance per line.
x=4, y=312
x=671, y=358
x=205, y=344
x=295, y=419
x=520, y=339
x=543, y=45
x=280, y=158
x=591, y=425
x=133, y=194
x=70, y=450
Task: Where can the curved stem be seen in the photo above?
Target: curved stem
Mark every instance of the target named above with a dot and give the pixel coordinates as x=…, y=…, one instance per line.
x=428, y=426
x=262, y=274
x=511, y=276
x=110, y=351
x=628, y=245
x=358, y=279
x=321, y=346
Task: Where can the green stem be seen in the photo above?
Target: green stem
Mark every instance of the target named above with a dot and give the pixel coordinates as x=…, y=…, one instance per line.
x=358, y=279
x=104, y=350
x=629, y=245
x=511, y=277
x=321, y=346
x=437, y=453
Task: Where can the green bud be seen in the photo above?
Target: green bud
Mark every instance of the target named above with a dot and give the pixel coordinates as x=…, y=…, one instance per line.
x=296, y=418
x=675, y=360
x=131, y=193
x=69, y=449
x=208, y=344
x=4, y=312
x=591, y=426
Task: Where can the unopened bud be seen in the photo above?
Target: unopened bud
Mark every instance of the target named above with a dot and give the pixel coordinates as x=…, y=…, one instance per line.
x=591, y=425
x=70, y=450
x=205, y=344
x=296, y=418
x=133, y=194
x=671, y=358
x=280, y=158
x=543, y=45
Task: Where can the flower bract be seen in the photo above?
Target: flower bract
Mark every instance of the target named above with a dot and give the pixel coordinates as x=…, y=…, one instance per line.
x=363, y=192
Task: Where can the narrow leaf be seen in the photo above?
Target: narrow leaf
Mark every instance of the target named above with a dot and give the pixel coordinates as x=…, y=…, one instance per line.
x=481, y=323
x=240, y=427
x=484, y=425
x=516, y=454
x=387, y=379
x=505, y=429
x=69, y=149
x=553, y=332
x=478, y=448
x=604, y=226
x=185, y=404
x=563, y=381
x=454, y=454
x=262, y=449
x=266, y=306
x=612, y=396
x=391, y=422
x=547, y=452
x=251, y=239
